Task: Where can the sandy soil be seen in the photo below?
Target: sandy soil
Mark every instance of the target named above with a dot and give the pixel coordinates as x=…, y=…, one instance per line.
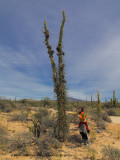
x=115, y=119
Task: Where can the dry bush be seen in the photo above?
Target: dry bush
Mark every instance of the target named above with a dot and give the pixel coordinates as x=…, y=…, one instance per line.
x=100, y=119
x=42, y=122
x=92, y=136
x=42, y=112
x=3, y=138
x=75, y=139
x=19, y=143
x=72, y=119
x=106, y=117
x=101, y=124
x=6, y=106
x=91, y=154
x=22, y=107
x=47, y=146
x=112, y=112
x=110, y=153
x=19, y=116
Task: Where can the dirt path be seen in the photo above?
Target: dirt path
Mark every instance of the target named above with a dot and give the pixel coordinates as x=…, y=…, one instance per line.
x=115, y=119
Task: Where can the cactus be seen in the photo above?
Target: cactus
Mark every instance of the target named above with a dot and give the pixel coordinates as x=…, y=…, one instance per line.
x=99, y=103
x=114, y=99
x=59, y=80
x=111, y=101
x=91, y=99
x=86, y=98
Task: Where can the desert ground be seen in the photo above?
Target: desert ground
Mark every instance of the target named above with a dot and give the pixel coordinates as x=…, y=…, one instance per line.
x=72, y=149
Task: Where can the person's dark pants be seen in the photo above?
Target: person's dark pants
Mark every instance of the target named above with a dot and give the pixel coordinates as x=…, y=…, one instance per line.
x=84, y=136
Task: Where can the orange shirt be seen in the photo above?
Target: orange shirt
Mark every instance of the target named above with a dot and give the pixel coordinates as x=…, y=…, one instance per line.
x=82, y=117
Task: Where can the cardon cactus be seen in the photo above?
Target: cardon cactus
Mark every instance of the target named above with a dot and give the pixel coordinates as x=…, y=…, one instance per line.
x=114, y=99
x=99, y=103
x=59, y=81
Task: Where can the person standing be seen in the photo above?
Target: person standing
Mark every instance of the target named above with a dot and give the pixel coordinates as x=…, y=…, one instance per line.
x=84, y=129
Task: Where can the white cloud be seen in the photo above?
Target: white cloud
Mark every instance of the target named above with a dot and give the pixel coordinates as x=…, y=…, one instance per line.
x=99, y=68
x=19, y=83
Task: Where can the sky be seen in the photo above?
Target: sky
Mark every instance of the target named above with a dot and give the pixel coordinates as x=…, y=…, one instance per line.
x=91, y=41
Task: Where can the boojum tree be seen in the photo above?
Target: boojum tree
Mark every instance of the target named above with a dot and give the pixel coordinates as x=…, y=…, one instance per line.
x=60, y=88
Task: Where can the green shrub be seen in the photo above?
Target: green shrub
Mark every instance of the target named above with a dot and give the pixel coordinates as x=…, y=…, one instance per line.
x=110, y=153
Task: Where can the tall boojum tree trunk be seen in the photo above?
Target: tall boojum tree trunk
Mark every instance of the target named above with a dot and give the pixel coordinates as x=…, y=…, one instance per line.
x=59, y=80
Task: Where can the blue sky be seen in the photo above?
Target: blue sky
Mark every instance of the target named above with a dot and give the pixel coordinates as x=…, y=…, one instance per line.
x=91, y=43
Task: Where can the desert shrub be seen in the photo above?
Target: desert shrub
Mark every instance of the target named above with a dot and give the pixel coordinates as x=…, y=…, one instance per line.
x=101, y=124
x=46, y=102
x=20, y=106
x=92, y=136
x=100, y=119
x=42, y=121
x=112, y=112
x=69, y=106
x=19, y=116
x=91, y=154
x=75, y=139
x=95, y=117
x=5, y=106
x=47, y=146
x=3, y=138
x=20, y=142
x=48, y=122
x=107, y=105
x=8, y=108
x=106, y=117
x=42, y=112
x=110, y=153
x=72, y=119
